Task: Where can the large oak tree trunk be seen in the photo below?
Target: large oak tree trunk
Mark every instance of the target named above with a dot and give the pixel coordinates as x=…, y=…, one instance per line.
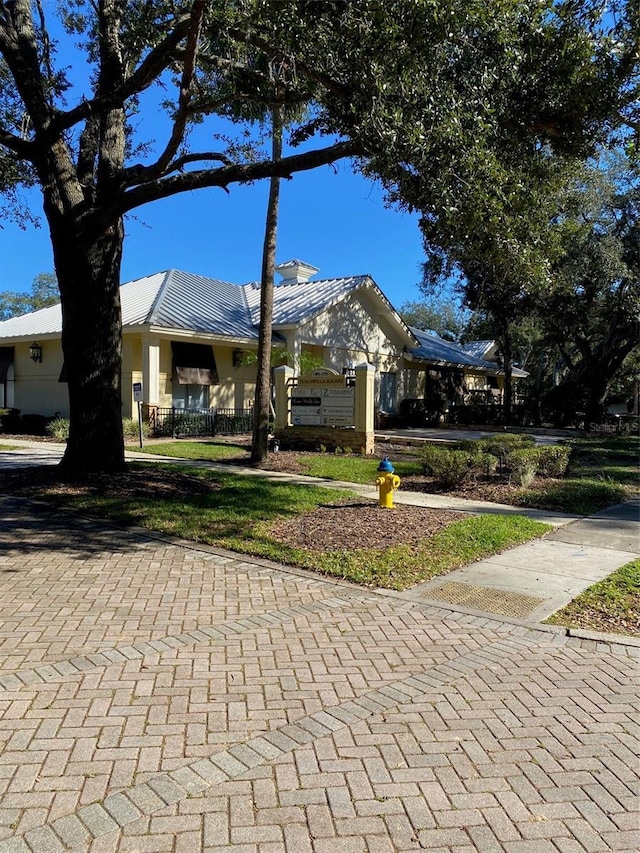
x=597, y=387
x=88, y=273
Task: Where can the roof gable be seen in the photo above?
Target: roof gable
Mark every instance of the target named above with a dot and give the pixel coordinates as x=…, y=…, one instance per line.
x=298, y=302
x=479, y=349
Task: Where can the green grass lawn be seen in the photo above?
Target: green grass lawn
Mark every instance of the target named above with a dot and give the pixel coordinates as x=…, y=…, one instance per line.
x=237, y=512
x=576, y=497
x=613, y=605
x=603, y=471
x=614, y=459
x=212, y=451
x=352, y=469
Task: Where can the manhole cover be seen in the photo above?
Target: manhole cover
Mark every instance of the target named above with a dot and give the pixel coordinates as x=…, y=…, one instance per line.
x=482, y=598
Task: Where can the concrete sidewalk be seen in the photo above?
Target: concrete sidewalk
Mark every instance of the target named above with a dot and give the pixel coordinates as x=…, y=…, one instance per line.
x=534, y=580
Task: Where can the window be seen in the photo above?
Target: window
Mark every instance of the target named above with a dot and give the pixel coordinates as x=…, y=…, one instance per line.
x=194, y=370
x=190, y=396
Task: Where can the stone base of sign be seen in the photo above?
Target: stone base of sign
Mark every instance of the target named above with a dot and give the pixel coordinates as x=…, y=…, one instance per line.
x=311, y=437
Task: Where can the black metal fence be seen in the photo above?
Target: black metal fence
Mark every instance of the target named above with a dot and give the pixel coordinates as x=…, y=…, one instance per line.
x=193, y=423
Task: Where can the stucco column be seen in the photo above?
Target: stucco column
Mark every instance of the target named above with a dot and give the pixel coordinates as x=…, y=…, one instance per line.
x=365, y=396
x=294, y=346
x=282, y=386
x=150, y=371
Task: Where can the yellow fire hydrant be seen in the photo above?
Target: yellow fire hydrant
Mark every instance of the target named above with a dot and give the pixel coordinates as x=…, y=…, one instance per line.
x=387, y=483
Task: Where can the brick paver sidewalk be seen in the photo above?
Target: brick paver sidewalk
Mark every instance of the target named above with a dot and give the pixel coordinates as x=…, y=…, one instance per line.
x=157, y=697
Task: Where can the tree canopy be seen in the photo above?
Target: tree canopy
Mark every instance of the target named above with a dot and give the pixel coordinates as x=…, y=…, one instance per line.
x=44, y=292
x=439, y=98
x=592, y=312
x=441, y=314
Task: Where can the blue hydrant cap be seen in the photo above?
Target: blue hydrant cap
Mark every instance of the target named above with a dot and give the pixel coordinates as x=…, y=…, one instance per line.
x=386, y=466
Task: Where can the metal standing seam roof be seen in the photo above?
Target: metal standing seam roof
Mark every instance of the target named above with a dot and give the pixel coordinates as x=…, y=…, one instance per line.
x=434, y=349
x=139, y=296
x=46, y=321
x=202, y=304
x=477, y=348
x=171, y=299
x=177, y=300
x=297, y=302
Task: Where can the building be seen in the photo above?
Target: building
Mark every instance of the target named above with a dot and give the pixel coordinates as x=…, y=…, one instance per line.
x=192, y=341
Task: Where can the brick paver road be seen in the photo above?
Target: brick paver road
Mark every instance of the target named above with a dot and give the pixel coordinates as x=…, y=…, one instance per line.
x=157, y=697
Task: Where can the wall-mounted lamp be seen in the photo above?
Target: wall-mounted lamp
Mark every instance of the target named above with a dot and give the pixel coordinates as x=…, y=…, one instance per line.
x=35, y=353
x=236, y=357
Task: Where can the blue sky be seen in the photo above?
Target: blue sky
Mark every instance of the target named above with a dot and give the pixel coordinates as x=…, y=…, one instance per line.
x=332, y=218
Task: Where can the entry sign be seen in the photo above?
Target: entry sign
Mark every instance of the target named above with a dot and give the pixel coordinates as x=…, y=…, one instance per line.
x=323, y=404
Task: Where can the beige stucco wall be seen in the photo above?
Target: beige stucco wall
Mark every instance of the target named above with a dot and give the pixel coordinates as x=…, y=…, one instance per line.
x=350, y=332
x=237, y=384
x=131, y=372
x=36, y=389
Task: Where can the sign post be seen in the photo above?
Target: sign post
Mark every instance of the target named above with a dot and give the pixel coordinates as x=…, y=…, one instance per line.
x=137, y=397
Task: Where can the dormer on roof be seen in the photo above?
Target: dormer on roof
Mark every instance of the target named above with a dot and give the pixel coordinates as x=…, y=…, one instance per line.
x=295, y=272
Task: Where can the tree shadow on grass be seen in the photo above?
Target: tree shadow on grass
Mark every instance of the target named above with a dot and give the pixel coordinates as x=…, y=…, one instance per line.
x=197, y=504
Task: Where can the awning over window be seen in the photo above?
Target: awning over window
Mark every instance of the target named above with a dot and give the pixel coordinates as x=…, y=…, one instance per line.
x=6, y=360
x=194, y=364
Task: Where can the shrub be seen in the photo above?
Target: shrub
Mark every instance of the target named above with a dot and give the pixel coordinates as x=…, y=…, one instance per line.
x=469, y=445
x=579, y=497
x=9, y=420
x=58, y=428
x=450, y=467
x=483, y=462
x=33, y=424
x=502, y=445
x=553, y=461
x=523, y=465
x=130, y=428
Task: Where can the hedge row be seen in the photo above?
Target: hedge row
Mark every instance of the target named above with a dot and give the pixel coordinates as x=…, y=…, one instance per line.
x=515, y=456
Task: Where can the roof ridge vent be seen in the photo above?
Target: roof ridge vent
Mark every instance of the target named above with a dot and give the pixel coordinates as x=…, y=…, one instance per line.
x=295, y=272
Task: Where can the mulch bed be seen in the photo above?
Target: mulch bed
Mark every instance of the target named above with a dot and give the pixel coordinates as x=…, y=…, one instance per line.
x=345, y=525
x=358, y=526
